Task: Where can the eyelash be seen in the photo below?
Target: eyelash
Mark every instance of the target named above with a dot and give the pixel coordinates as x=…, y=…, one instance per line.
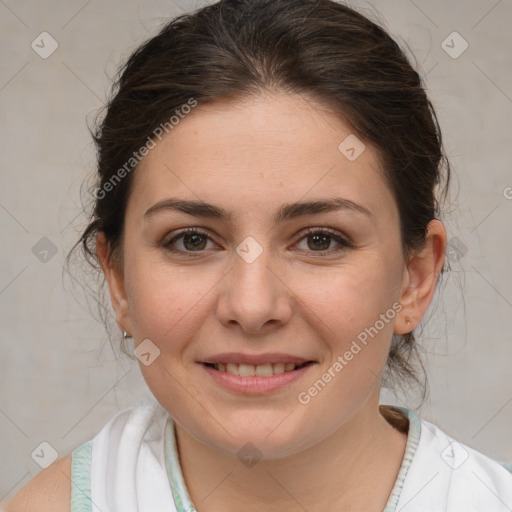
x=344, y=243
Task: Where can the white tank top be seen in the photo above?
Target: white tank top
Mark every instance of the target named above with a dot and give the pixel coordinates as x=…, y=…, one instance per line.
x=132, y=465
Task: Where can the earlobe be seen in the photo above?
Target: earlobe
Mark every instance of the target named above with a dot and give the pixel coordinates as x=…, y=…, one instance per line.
x=420, y=278
x=115, y=282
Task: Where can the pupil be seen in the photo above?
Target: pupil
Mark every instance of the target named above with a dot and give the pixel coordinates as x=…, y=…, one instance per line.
x=323, y=239
x=195, y=240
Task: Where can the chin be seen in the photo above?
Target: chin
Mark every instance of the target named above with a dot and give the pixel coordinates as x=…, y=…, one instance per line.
x=267, y=440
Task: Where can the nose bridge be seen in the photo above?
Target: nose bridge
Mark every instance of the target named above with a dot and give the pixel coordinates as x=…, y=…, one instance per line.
x=253, y=296
x=252, y=271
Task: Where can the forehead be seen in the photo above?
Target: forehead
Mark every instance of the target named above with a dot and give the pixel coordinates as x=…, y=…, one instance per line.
x=255, y=152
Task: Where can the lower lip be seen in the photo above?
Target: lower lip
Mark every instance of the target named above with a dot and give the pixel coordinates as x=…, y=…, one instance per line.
x=255, y=385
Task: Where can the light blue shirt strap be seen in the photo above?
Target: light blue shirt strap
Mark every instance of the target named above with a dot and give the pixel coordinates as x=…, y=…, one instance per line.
x=179, y=490
x=413, y=438
x=81, y=478
x=508, y=467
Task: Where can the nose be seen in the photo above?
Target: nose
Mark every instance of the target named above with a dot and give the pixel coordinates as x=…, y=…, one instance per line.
x=254, y=296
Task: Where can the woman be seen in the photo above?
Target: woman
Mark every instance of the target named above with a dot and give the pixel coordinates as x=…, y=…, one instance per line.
x=267, y=223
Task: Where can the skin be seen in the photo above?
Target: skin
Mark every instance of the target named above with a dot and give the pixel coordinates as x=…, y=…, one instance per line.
x=250, y=157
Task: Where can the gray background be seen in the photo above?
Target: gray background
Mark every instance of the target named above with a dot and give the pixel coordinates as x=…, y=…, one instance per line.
x=60, y=378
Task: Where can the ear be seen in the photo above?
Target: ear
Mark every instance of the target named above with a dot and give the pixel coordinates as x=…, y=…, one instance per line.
x=420, y=278
x=115, y=280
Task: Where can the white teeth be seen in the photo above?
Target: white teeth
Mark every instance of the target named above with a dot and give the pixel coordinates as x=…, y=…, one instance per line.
x=264, y=370
x=261, y=370
x=278, y=368
x=246, y=370
x=232, y=368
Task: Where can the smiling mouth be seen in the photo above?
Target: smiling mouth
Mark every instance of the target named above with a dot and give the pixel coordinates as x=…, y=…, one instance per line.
x=261, y=370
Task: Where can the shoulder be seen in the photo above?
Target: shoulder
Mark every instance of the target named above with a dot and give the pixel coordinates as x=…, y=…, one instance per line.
x=456, y=474
x=126, y=439
x=48, y=491
x=455, y=453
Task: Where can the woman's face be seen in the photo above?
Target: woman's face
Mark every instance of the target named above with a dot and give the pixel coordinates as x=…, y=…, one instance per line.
x=254, y=285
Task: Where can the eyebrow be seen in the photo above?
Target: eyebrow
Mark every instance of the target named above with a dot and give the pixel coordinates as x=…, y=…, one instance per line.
x=286, y=212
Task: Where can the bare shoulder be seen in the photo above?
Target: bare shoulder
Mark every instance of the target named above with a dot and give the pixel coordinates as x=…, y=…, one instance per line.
x=49, y=490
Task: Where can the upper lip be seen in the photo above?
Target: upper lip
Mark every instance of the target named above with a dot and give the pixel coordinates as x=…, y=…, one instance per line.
x=254, y=359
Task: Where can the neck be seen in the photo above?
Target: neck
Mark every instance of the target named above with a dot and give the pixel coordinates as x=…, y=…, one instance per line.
x=354, y=468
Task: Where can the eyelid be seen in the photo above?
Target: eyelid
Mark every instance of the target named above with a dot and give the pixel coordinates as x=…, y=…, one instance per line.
x=328, y=231
x=343, y=240
x=188, y=231
x=340, y=238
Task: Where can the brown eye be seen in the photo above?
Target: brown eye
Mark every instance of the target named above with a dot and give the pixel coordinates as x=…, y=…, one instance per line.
x=321, y=241
x=189, y=241
x=194, y=242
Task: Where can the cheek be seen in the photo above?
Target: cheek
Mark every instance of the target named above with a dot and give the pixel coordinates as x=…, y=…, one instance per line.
x=164, y=300
x=353, y=314
x=166, y=308
x=347, y=301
